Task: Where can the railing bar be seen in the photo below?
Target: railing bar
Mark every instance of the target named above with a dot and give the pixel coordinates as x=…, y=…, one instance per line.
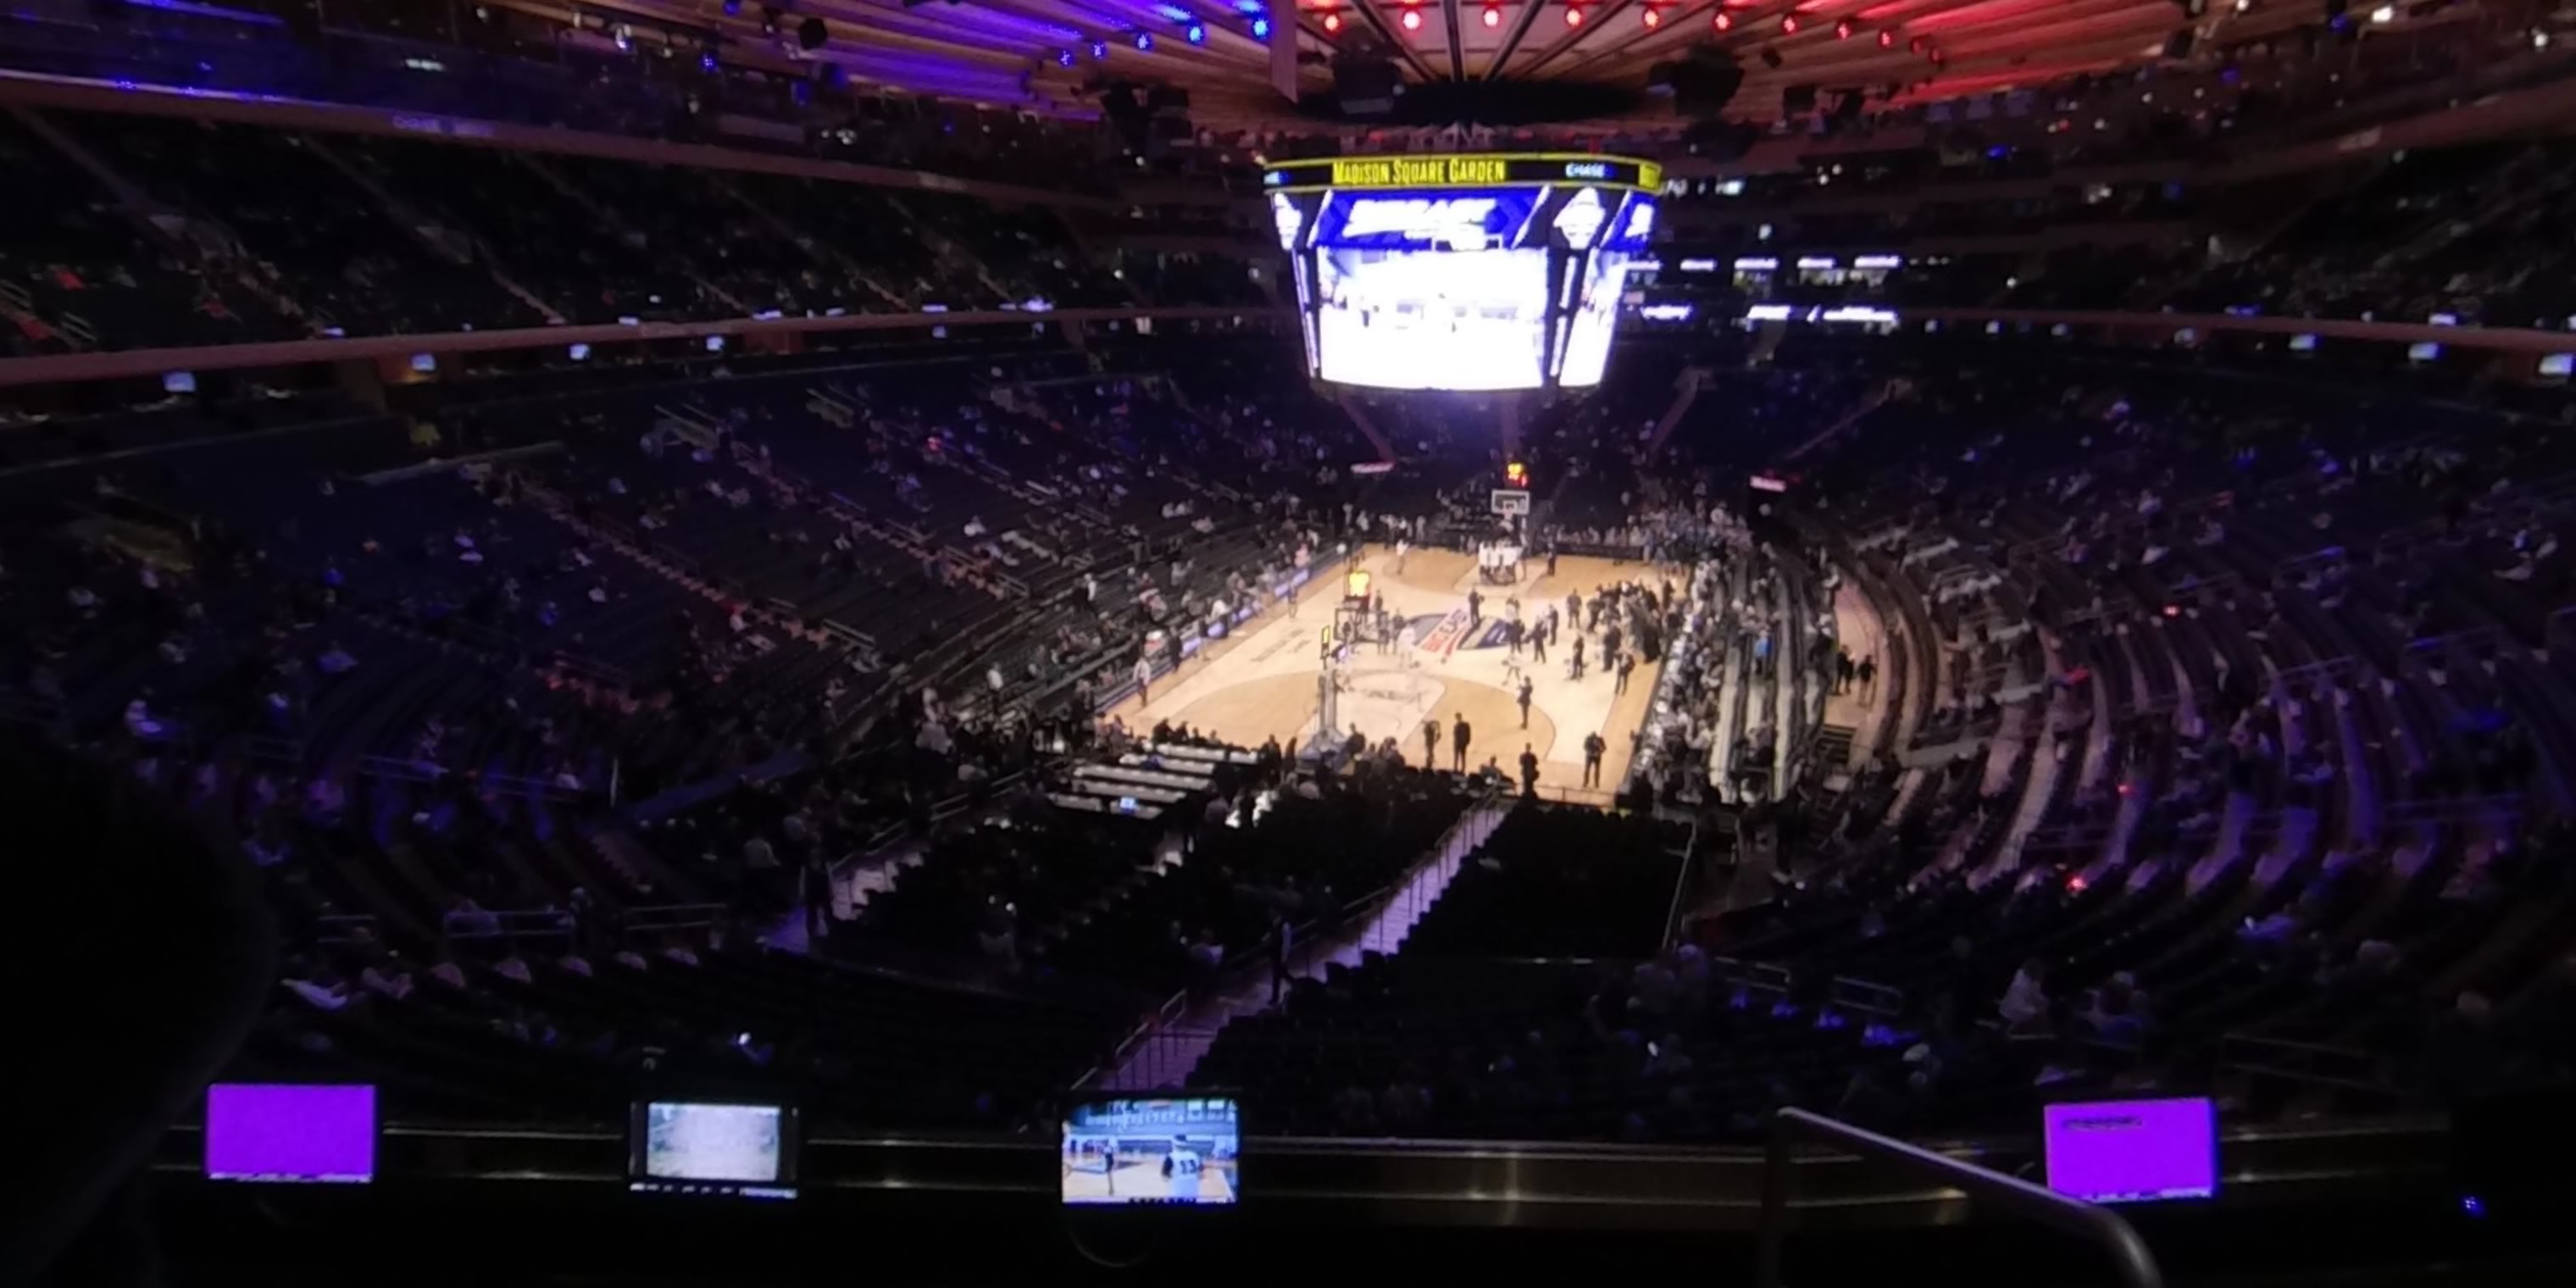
x=2135, y=1265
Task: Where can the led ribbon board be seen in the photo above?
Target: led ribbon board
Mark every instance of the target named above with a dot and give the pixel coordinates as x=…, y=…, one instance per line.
x=1478, y=170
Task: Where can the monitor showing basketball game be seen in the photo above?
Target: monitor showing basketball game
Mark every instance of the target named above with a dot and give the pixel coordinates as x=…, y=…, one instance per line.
x=2132, y=1151
x=1180, y=1152
x=740, y=1150
x=291, y=1133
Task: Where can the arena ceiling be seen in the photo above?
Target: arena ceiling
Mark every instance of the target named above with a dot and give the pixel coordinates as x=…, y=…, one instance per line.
x=1592, y=58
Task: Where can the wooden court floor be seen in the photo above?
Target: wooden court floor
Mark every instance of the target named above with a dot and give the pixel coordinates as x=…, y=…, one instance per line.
x=1261, y=683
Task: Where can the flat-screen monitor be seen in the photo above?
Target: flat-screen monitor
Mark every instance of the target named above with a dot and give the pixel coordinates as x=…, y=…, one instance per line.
x=2133, y=1151
x=179, y=382
x=741, y=1149
x=291, y=1133
x=1180, y=1151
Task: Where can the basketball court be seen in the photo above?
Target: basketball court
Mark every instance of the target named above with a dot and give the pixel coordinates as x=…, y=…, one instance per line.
x=1262, y=682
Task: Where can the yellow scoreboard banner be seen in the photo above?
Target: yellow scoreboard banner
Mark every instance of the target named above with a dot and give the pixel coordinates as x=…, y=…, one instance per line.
x=1475, y=170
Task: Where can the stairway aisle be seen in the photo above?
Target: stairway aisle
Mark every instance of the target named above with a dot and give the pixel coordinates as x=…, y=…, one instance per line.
x=1166, y=1058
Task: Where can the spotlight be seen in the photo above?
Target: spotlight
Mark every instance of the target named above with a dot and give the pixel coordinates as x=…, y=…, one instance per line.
x=1573, y=15
x=1195, y=34
x=1145, y=41
x=1938, y=57
x=1493, y=17
x=1652, y=17
x=1843, y=30
x=1724, y=21
x=1887, y=40
x=1788, y=24
x=1332, y=24
x=1099, y=51
x=1914, y=46
x=1064, y=58
x=706, y=62
x=1413, y=20
x=1261, y=29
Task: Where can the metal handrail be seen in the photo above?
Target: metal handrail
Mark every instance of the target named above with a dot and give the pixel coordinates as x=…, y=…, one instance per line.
x=2135, y=1265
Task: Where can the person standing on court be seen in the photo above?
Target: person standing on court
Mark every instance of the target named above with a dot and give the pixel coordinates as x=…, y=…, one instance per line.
x=1459, y=736
x=1578, y=657
x=1475, y=608
x=1525, y=701
x=1539, y=631
x=1627, y=663
x=1529, y=772
x=1593, y=746
x=1431, y=743
x=1144, y=676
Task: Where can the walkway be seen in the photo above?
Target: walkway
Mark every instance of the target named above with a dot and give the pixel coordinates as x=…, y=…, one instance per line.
x=1856, y=627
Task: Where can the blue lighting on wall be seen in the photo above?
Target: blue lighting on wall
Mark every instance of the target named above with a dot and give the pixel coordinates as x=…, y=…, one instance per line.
x=1195, y=34
x=1099, y=50
x=1064, y=58
x=1145, y=40
x=1261, y=29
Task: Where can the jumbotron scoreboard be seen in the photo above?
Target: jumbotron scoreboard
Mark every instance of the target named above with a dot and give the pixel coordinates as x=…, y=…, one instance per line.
x=1468, y=272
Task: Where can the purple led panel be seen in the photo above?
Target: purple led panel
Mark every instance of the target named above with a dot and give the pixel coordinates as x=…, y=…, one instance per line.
x=2133, y=1151
x=278, y=1132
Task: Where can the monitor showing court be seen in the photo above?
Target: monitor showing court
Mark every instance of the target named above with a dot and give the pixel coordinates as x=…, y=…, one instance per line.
x=1178, y=1152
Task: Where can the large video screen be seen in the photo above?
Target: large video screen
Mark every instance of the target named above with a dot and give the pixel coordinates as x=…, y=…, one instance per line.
x=1181, y=1152
x=1394, y=319
x=1467, y=289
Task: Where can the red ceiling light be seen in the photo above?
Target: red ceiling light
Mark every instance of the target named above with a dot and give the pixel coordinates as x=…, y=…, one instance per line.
x=1724, y=21
x=1788, y=24
x=1938, y=57
x=1332, y=24
x=1493, y=16
x=1914, y=46
x=1413, y=20
x=1652, y=17
x=1573, y=15
x=1887, y=40
x=1843, y=29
